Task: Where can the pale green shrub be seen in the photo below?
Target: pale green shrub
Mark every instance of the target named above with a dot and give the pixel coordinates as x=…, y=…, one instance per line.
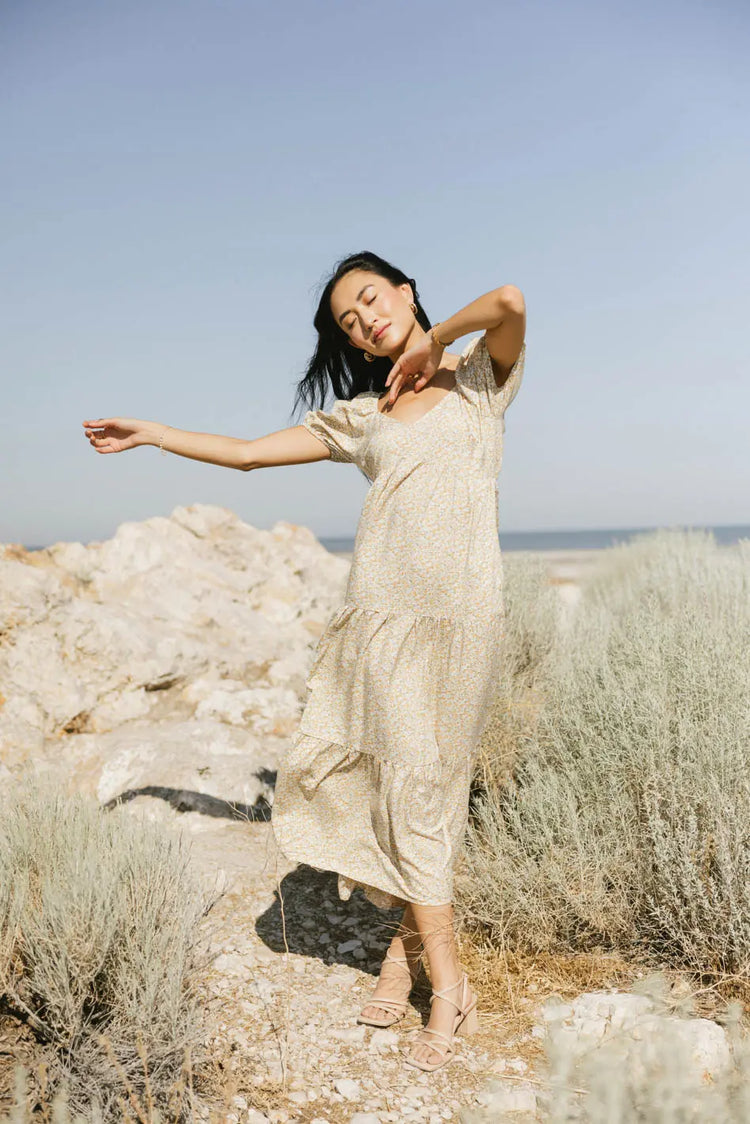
x=625, y=823
x=528, y=647
x=532, y=616
x=99, y=944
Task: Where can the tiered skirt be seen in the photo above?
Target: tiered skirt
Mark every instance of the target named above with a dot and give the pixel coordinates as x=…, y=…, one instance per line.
x=375, y=784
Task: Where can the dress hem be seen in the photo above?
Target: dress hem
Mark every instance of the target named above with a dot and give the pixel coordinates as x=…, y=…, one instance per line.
x=327, y=868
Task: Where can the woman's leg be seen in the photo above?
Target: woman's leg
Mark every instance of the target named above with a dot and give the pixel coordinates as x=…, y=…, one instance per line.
x=434, y=924
x=393, y=983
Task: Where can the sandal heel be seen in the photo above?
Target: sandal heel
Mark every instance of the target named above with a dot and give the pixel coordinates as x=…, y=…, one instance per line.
x=470, y=1023
x=466, y=1022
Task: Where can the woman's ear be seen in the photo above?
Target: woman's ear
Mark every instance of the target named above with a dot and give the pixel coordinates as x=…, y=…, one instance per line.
x=408, y=292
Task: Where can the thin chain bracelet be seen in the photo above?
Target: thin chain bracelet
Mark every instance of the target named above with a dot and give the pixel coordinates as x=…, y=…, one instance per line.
x=162, y=450
x=433, y=333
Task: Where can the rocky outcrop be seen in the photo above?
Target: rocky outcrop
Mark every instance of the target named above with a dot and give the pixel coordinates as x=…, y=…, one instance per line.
x=173, y=655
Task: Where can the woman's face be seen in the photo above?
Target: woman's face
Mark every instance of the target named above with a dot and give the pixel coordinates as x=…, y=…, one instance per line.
x=373, y=313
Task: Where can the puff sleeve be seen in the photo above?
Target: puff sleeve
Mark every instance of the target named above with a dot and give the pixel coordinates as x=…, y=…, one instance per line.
x=341, y=428
x=478, y=369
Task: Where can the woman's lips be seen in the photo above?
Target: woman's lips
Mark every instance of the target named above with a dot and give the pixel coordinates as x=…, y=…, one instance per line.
x=380, y=332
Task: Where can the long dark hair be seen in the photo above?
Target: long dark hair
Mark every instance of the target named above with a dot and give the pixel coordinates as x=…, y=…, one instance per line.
x=335, y=364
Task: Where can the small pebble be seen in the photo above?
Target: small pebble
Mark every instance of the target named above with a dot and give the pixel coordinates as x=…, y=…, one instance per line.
x=348, y=1033
x=384, y=1037
x=348, y=946
x=349, y=1089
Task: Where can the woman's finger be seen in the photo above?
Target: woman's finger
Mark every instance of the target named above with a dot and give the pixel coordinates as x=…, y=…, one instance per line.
x=396, y=389
x=422, y=380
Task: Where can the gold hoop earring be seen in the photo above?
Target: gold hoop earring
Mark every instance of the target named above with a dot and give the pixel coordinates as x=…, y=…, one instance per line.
x=369, y=357
x=413, y=307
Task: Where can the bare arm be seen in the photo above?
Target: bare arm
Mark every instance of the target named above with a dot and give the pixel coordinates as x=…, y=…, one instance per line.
x=501, y=313
x=295, y=445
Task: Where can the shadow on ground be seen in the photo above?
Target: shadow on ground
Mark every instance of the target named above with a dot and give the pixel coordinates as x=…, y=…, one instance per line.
x=186, y=800
x=315, y=922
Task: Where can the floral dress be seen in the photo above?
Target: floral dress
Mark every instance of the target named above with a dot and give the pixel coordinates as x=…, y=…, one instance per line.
x=375, y=783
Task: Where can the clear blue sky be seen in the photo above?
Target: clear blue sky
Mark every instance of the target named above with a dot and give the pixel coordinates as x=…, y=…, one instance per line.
x=180, y=175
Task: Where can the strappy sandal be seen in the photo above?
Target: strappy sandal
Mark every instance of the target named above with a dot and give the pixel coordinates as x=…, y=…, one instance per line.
x=466, y=1022
x=397, y=1007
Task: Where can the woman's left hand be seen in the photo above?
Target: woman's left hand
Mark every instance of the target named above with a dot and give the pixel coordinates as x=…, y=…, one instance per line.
x=421, y=360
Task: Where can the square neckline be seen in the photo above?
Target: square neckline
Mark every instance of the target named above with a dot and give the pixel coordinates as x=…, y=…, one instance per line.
x=426, y=414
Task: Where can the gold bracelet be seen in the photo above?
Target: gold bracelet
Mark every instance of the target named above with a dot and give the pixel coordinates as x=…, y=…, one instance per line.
x=161, y=439
x=433, y=333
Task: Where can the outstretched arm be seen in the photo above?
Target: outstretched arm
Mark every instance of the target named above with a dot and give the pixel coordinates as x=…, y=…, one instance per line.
x=295, y=445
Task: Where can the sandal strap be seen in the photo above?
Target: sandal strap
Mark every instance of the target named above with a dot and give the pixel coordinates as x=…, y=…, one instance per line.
x=397, y=1006
x=447, y=998
x=401, y=959
x=447, y=1050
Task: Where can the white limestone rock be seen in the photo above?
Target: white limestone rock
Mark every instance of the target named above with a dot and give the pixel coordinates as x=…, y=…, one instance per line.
x=27, y=593
x=199, y=618
x=350, y=1090
x=634, y=1028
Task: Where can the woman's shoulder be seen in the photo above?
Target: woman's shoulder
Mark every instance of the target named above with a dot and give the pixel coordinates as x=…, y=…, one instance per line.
x=363, y=402
x=356, y=405
x=475, y=371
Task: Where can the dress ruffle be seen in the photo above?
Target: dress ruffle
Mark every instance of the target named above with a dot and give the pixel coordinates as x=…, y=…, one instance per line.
x=405, y=820
x=322, y=758
x=404, y=688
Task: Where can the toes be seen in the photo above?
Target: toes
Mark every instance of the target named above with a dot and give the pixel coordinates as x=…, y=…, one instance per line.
x=372, y=1011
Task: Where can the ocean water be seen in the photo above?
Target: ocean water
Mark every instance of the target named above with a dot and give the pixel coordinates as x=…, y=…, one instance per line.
x=594, y=539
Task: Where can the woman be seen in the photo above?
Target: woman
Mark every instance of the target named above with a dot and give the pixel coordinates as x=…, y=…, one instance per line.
x=375, y=785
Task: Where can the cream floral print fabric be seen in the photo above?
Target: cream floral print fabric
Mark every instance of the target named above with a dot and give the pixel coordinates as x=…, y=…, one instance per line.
x=375, y=784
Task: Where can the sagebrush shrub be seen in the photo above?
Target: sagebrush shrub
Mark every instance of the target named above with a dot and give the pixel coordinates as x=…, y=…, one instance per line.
x=99, y=943
x=528, y=644
x=624, y=823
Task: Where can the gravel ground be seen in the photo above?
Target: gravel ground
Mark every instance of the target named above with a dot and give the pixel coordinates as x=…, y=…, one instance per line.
x=285, y=987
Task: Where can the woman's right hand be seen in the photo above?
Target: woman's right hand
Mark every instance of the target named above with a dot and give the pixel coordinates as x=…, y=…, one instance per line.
x=115, y=435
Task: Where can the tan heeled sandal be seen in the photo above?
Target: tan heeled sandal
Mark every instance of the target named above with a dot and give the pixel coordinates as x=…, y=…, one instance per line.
x=466, y=1022
x=397, y=1007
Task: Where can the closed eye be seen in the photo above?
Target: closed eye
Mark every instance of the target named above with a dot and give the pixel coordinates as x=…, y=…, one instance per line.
x=351, y=323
